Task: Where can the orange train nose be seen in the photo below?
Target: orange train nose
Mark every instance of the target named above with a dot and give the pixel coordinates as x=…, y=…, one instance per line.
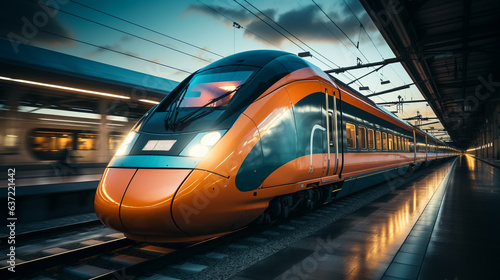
x=138, y=201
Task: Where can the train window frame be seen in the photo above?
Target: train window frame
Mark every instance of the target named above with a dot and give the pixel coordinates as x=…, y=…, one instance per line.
x=362, y=138
x=81, y=138
x=353, y=140
x=371, y=143
x=390, y=140
x=384, y=141
x=378, y=140
x=114, y=140
x=398, y=146
x=331, y=128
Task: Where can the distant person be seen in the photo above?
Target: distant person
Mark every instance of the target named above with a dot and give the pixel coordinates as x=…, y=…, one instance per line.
x=67, y=162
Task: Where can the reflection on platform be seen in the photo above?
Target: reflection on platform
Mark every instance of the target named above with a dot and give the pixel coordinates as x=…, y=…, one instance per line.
x=360, y=245
x=370, y=244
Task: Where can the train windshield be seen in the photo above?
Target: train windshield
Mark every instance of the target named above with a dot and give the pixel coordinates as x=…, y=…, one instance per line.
x=215, y=87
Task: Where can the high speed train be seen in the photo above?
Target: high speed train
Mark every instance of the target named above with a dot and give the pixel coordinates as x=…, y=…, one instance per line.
x=250, y=138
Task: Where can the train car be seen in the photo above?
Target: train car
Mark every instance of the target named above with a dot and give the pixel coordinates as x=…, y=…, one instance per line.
x=39, y=137
x=249, y=138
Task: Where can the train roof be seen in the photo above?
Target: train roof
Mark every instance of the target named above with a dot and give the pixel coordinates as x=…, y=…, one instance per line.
x=361, y=96
x=257, y=58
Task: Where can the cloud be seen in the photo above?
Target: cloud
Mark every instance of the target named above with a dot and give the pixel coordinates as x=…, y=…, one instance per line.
x=33, y=23
x=217, y=12
x=307, y=23
x=203, y=54
x=118, y=47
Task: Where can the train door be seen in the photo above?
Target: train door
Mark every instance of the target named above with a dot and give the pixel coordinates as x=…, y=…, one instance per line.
x=332, y=132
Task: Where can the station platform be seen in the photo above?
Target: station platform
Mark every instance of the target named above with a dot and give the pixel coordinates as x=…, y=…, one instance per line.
x=42, y=195
x=444, y=225
x=34, y=180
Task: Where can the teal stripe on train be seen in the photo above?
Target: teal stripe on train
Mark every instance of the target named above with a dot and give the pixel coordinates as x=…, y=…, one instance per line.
x=149, y=161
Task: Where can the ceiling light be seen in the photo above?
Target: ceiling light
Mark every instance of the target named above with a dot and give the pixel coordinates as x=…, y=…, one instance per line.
x=63, y=87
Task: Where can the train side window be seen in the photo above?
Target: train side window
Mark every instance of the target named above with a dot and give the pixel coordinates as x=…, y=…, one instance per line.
x=391, y=142
x=86, y=141
x=351, y=136
x=371, y=139
x=378, y=140
x=399, y=144
x=114, y=140
x=51, y=141
x=384, y=138
x=362, y=137
x=395, y=142
x=332, y=132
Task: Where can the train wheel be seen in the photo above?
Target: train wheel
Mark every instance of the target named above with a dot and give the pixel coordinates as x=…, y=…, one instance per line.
x=286, y=204
x=312, y=199
x=272, y=213
x=279, y=208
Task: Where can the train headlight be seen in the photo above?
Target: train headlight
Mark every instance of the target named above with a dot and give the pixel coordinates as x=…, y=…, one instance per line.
x=211, y=138
x=127, y=144
x=198, y=151
x=201, y=144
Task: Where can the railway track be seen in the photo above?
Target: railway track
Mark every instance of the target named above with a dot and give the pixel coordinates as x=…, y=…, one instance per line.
x=30, y=235
x=103, y=260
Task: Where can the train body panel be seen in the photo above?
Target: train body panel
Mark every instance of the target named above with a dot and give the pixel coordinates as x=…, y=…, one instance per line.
x=142, y=205
x=252, y=136
x=109, y=195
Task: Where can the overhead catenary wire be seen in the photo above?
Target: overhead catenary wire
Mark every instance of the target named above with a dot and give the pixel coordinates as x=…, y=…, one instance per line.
x=102, y=47
x=291, y=34
x=371, y=40
x=347, y=48
x=341, y=30
x=147, y=28
x=376, y=48
x=242, y=27
x=333, y=22
x=285, y=35
x=270, y=26
x=357, y=46
x=133, y=35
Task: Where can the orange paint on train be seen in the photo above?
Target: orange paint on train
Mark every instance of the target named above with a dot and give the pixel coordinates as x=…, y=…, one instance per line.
x=109, y=195
x=202, y=202
x=143, y=205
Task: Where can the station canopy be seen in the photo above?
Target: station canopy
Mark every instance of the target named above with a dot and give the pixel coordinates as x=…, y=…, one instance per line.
x=450, y=49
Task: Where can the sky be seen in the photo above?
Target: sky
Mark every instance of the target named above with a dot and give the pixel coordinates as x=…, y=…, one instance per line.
x=171, y=39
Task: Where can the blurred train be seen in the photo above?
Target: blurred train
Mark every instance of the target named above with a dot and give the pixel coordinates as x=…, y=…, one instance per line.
x=39, y=137
x=250, y=138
